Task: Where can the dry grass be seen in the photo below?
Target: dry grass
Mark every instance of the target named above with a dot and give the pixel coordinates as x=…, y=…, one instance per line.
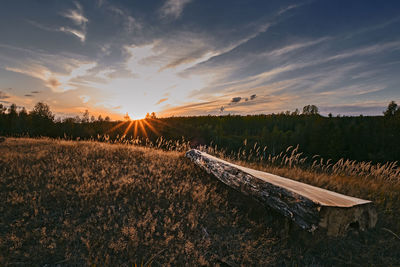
x=387, y=173
x=85, y=202
x=77, y=203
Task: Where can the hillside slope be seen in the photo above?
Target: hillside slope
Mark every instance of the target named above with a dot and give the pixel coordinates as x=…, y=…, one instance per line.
x=80, y=203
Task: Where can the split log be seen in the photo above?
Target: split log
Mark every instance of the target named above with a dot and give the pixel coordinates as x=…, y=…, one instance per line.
x=308, y=206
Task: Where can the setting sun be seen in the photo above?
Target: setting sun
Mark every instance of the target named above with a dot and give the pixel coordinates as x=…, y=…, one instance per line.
x=135, y=128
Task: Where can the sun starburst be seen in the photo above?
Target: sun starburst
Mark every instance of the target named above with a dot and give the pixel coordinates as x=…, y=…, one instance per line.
x=137, y=128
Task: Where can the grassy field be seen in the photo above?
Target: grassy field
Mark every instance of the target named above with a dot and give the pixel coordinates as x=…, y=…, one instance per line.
x=81, y=203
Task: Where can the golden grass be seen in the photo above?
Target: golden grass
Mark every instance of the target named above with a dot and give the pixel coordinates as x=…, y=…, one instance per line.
x=93, y=203
x=81, y=203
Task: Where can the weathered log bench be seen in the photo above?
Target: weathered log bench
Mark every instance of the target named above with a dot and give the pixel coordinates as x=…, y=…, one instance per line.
x=308, y=206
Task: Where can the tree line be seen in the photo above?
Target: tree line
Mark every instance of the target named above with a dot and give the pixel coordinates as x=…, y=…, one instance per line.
x=364, y=138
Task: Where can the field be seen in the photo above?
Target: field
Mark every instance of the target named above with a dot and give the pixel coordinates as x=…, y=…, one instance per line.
x=83, y=203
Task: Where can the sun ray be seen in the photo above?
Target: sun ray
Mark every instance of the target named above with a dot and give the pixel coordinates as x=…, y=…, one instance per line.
x=151, y=127
x=142, y=128
x=116, y=126
x=129, y=126
x=135, y=129
x=165, y=124
x=159, y=121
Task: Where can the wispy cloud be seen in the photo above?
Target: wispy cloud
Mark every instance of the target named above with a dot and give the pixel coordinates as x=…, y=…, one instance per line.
x=354, y=90
x=80, y=34
x=327, y=68
x=288, y=8
x=290, y=48
x=76, y=15
x=130, y=23
x=33, y=70
x=208, y=107
x=53, y=80
x=368, y=50
x=264, y=104
x=200, y=57
x=173, y=8
x=355, y=109
x=161, y=101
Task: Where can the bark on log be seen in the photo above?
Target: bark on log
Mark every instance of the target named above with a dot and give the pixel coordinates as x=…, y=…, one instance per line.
x=308, y=206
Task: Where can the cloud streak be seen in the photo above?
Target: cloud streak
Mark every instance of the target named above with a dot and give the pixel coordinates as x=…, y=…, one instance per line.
x=173, y=8
x=161, y=101
x=79, y=34
x=56, y=81
x=78, y=18
x=76, y=15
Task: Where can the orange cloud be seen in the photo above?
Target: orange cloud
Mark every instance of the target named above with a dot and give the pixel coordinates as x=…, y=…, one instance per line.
x=161, y=100
x=54, y=83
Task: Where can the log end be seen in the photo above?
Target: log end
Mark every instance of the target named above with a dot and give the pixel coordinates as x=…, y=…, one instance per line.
x=337, y=221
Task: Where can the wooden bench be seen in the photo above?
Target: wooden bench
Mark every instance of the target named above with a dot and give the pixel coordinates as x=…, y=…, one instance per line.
x=308, y=206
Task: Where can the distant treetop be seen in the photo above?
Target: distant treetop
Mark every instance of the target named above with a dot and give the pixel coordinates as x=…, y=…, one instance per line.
x=392, y=110
x=42, y=110
x=310, y=110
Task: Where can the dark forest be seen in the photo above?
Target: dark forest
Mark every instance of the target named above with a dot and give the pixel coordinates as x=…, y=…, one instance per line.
x=362, y=138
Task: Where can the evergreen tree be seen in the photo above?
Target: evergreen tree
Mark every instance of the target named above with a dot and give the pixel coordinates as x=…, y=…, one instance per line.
x=391, y=110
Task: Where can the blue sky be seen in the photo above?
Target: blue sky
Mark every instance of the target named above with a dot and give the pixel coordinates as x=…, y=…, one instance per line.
x=199, y=57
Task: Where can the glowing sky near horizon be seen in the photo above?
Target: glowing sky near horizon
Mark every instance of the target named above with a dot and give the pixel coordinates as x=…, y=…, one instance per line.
x=199, y=57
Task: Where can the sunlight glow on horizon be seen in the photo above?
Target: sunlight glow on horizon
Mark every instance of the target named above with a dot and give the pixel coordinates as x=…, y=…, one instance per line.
x=151, y=82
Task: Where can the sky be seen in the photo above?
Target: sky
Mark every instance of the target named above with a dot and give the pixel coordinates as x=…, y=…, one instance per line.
x=200, y=57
